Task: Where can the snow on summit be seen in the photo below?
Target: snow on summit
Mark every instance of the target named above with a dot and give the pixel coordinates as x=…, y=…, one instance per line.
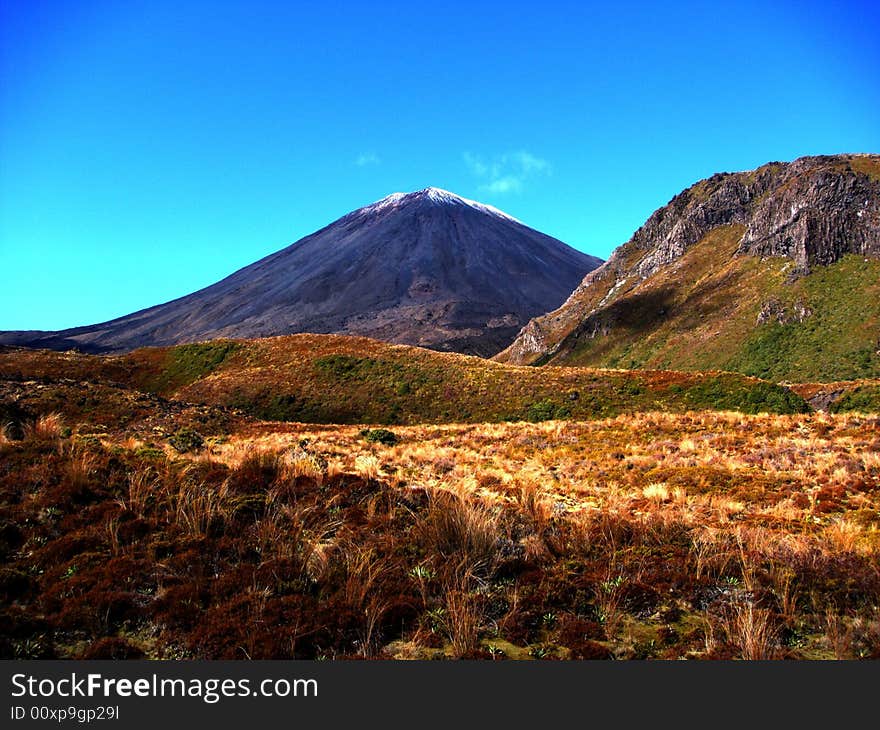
x=433, y=195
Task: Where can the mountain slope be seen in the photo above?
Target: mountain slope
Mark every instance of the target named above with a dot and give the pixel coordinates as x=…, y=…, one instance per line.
x=773, y=273
x=428, y=268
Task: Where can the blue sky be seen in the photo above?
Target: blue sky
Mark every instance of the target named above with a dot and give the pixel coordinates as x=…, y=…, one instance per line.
x=148, y=149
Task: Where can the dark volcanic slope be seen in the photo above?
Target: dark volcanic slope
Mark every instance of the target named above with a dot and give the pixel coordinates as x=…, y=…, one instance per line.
x=427, y=268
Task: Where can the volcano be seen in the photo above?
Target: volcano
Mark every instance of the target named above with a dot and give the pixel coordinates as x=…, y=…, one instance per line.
x=427, y=268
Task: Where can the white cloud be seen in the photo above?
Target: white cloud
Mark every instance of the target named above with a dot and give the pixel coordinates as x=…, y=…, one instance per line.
x=528, y=163
x=367, y=158
x=507, y=184
x=476, y=165
x=506, y=173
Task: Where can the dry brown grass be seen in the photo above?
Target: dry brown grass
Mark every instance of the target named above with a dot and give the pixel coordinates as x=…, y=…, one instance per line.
x=746, y=495
x=459, y=532
x=198, y=506
x=605, y=463
x=301, y=463
x=604, y=537
x=463, y=618
x=839, y=634
x=844, y=536
x=143, y=485
x=367, y=465
x=656, y=493
x=45, y=428
x=751, y=630
x=80, y=465
x=363, y=572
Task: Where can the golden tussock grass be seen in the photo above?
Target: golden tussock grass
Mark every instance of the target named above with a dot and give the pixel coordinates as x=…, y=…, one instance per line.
x=751, y=630
x=45, y=427
x=721, y=469
x=485, y=526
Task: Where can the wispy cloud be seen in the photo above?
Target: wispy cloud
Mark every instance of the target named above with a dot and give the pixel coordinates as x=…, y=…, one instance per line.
x=367, y=158
x=507, y=173
x=506, y=184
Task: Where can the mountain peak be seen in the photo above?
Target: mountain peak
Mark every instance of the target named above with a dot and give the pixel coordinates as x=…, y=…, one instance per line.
x=435, y=197
x=437, y=193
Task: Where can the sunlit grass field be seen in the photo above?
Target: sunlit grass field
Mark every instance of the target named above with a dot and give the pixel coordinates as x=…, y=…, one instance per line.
x=650, y=535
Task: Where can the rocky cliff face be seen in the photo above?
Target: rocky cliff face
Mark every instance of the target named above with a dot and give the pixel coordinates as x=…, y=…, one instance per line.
x=817, y=210
x=812, y=212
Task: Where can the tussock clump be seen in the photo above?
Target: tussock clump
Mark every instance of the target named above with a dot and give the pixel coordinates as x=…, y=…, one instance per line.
x=143, y=486
x=533, y=504
x=463, y=618
x=257, y=472
x=461, y=532
x=367, y=466
x=46, y=428
x=752, y=630
x=299, y=462
x=200, y=508
x=656, y=493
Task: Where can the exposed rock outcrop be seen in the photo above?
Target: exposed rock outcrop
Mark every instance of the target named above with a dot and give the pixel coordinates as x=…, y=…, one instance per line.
x=775, y=310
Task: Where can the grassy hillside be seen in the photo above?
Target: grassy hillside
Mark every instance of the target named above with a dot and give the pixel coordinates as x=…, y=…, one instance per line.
x=773, y=273
x=346, y=380
x=702, y=312
x=334, y=379
x=840, y=340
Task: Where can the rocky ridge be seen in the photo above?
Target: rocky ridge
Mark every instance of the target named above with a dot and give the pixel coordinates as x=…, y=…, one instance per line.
x=812, y=211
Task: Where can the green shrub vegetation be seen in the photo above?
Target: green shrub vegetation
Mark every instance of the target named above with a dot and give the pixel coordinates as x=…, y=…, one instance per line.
x=380, y=436
x=149, y=451
x=864, y=399
x=185, y=440
x=184, y=364
x=546, y=410
x=731, y=394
